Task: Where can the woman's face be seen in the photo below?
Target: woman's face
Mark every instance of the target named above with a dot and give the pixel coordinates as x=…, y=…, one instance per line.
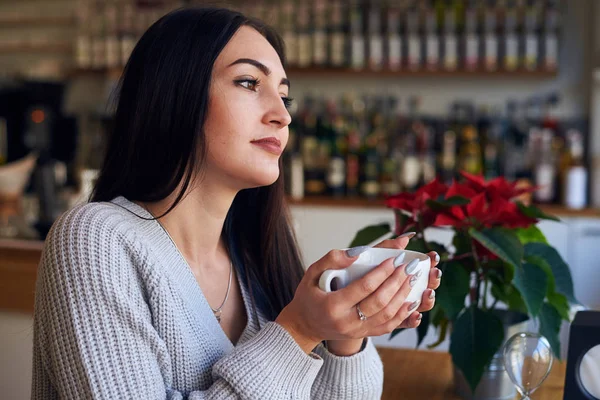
x=247, y=123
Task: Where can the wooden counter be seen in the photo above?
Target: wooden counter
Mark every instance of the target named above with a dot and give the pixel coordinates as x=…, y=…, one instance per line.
x=420, y=375
x=18, y=269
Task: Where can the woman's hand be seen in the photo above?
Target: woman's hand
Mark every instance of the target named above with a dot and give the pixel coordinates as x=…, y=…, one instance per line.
x=314, y=315
x=352, y=346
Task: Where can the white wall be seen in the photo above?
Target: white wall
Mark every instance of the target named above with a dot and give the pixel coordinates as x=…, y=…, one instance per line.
x=16, y=335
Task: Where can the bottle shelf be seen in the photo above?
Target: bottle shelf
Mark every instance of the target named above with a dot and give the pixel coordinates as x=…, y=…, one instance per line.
x=407, y=73
x=368, y=73
x=10, y=48
x=7, y=21
x=358, y=202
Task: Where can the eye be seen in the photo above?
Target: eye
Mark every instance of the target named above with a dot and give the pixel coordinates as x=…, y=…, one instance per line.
x=287, y=101
x=250, y=84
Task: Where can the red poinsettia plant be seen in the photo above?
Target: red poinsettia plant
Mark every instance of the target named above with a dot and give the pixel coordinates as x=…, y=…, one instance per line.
x=498, y=259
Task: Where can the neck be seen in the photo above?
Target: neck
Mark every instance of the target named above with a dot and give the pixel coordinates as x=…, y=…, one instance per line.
x=196, y=225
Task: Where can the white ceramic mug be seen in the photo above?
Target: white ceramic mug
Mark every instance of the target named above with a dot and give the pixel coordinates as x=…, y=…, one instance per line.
x=370, y=259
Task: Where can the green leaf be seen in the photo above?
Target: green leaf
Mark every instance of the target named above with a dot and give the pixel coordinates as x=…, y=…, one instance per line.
x=369, y=234
x=561, y=304
x=462, y=243
x=422, y=328
x=442, y=204
x=540, y=262
x=560, y=270
x=531, y=234
x=532, y=283
x=395, y=332
x=417, y=244
x=534, y=212
x=550, y=326
x=476, y=336
x=453, y=289
x=502, y=242
x=442, y=334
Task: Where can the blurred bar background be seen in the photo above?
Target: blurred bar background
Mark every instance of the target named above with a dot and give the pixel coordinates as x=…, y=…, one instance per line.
x=388, y=95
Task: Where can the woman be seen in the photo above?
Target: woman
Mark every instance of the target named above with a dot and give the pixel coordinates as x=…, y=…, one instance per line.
x=181, y=278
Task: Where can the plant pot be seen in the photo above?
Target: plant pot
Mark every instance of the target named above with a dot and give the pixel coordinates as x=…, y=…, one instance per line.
x=495, y=383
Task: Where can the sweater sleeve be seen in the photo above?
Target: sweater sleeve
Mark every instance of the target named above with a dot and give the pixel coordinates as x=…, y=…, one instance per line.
x=359, y=376
x=94, y=338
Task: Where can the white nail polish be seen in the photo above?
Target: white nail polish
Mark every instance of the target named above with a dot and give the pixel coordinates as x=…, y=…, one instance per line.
x=399, y=259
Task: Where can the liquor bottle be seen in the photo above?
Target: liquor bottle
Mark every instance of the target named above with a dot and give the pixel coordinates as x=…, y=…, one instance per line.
x=411, y=167
x=491, y=36
x=550, y=41
x=83, y=46
x=576, y=174
x=355, y=120
x=511, y=38
x=375, y=37
x=305, y=50
x=294, y=165
x=427, y=154
x=337, y=35
x=493, y=149
x=3, y=141
x=471, y=42
x=432, y=40
x=111, y=44
x=393, y=37
x=314, y=182
x=545, y=169
x=357, y=36
x=319, y=34
x=128, y=36
x=450, y=35
x=98, y=32
x=448, y=157
x=532, y=29
x=392, y=160
x=413, y=24
x=336, y=174
x=289, y=33
x=469, y=155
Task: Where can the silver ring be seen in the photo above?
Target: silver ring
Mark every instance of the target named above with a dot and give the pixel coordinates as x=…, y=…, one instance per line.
x=362, y=316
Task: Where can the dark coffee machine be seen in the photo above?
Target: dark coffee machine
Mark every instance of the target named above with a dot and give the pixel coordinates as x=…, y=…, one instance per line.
x=36, y=124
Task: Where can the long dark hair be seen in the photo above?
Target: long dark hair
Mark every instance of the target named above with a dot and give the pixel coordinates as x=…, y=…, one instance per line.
x=158, y=142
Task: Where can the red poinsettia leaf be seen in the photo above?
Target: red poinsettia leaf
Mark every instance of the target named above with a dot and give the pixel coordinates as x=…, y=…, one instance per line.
x=462, y=190
x=477, y=208
x=448, y=220
x=433, y=189
x=402, y=201
x=477, y=182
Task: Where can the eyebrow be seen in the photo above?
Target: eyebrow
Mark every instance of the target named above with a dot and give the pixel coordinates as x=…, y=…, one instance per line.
x=262, y=67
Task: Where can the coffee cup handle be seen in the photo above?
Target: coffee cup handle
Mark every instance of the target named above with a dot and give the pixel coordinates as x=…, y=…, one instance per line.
x=329, y=275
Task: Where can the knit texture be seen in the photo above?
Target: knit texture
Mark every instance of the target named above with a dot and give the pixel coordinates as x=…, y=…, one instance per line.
x=120, y=315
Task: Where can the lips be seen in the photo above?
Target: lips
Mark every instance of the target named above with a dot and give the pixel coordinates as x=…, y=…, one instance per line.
x=270, y=144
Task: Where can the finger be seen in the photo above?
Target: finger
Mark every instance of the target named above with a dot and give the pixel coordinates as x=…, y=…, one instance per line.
x=399, y=299
x=363, y=287
x=427, y=300
x=398, y=243
x=412, y=321
x=435, y=258
x=334, y=259
x=435, y=275
x=380, y=299
x=402, y=314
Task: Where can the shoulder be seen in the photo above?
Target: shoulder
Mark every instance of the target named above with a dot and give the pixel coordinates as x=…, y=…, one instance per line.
x=94, y=234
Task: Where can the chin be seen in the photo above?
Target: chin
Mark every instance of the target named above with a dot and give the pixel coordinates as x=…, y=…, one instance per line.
x=262, y=178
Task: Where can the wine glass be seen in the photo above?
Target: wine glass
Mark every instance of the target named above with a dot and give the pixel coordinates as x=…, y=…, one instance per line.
x=528, y=361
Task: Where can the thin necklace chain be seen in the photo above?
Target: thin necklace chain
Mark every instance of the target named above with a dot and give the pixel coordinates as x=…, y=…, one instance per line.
x=216, y=312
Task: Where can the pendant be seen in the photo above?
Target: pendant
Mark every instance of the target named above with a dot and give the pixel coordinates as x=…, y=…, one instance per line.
x=217, y=315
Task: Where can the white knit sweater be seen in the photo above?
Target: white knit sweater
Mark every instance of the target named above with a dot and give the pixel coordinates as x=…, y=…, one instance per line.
x=119, y=315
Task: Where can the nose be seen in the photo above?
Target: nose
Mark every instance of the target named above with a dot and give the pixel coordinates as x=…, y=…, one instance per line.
x=276, y=113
